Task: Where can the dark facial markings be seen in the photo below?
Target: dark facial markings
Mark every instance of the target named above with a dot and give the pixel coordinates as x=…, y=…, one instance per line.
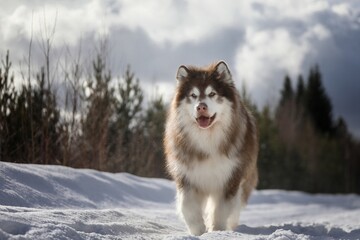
x=201, y=79
x=212, y=94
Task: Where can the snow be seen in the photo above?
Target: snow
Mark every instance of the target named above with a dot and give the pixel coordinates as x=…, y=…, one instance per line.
x=55, y=202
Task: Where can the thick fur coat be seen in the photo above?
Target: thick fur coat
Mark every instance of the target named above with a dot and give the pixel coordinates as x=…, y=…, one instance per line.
x=211, y=148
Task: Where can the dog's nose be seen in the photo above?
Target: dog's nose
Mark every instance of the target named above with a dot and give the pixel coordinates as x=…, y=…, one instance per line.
x=201, y=107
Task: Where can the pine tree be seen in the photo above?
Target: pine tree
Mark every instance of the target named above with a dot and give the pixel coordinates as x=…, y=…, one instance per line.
x=46, y=117
x=34, y=121
x=318, y=104
x=8, y=97
x=154, y=127
x=268, y=154
x=99, y=112
x=300, y=91
x=286, y=114
x=129, y=105
x=126, y=139
x=287, y=92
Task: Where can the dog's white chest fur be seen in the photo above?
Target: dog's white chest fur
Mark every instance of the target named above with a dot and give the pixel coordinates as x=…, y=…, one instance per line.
x=209, y=175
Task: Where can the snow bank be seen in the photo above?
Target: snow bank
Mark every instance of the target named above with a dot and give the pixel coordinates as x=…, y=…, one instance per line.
x=58, y=186
x=55, y=202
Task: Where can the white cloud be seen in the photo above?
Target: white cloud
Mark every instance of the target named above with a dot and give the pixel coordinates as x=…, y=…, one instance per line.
x=13, y=25
x=174, y=22
x=289, y=9
x=262, y=40
x=342, y=9
x=178, y=22
x=266, y=55
x=317, y=32
x=70, y=22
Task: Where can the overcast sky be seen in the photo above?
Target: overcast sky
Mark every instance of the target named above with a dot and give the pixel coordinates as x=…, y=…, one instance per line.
x=260, y=40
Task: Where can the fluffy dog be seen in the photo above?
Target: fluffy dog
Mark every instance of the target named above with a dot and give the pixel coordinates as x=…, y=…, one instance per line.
x=211, y=148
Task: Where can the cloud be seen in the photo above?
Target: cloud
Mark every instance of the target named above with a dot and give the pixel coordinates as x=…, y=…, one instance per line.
x=177, y=22
x=260, y=40
x=69, y=22
x=267, y=55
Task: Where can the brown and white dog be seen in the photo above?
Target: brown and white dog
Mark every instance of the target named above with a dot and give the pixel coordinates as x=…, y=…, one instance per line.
x=211, y=148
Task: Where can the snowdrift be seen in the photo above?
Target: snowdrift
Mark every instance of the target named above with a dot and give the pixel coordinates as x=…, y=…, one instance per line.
x=55, y=202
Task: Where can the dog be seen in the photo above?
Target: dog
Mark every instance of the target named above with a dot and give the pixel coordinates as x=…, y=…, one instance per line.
x=211, y=148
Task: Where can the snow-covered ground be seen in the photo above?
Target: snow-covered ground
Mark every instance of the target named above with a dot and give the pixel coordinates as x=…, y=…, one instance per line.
x=54, y=202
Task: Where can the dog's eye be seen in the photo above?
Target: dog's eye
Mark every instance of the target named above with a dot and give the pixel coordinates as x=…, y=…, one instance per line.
x=193, y=95
x=212, y=94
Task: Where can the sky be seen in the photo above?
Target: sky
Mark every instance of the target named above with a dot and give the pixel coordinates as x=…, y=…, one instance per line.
x=261, y=41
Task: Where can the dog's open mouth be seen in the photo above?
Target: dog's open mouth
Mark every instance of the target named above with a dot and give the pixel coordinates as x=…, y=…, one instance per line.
x=205, y=121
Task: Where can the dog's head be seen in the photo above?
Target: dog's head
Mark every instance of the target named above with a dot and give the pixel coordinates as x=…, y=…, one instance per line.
x=205, y=96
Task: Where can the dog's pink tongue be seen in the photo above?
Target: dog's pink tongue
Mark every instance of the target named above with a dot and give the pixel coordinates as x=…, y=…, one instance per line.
x=204, y=121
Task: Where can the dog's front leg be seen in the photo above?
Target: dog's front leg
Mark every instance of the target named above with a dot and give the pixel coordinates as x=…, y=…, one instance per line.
x=191, y=207
x=225, y=212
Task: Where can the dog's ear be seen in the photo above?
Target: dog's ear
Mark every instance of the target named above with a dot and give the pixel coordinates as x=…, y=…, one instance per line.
x=224, y=72
x=182, y=73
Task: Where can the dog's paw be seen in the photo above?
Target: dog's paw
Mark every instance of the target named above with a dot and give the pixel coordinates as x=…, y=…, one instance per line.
x=197, y=230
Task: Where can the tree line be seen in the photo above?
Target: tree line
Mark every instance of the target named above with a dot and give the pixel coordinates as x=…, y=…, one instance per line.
x=97, y=121
x=302, y=146
x=94, y=124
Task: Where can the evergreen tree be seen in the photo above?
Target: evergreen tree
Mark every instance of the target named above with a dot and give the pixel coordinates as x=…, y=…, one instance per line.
x=127, y=134
x=129, y=105
x=45, y=118
x=99, y=112
x=268, y=152
x=318, y=104
x=286, y=114
x=154, y=127
x=7, y=104
x=301, y=118
x=287, y=92
x=34, y=121
x=300, y=91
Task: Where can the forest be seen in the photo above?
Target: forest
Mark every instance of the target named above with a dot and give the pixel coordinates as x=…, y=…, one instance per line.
x=95, y=120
